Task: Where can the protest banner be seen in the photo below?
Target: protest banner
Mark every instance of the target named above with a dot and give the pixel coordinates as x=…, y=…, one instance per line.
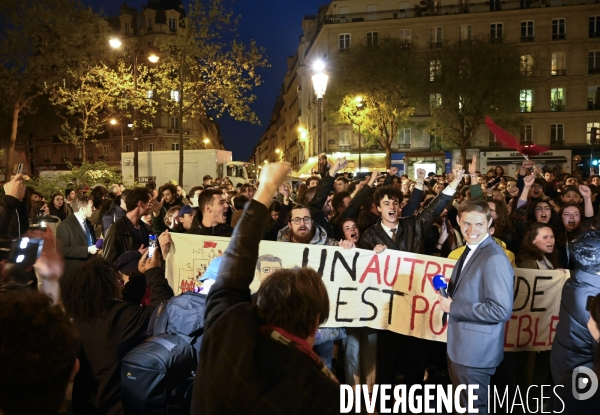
x=392, y=290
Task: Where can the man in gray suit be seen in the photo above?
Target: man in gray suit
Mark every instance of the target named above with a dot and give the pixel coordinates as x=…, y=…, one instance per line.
x=480, y=301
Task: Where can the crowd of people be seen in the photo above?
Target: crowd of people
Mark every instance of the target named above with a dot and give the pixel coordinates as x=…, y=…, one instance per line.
x=91, y=294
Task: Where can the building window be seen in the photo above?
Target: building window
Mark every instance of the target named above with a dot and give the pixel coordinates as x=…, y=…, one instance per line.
x=127, y=148
x=558, y=63
x=172, y=24
x=79, y=154
x=47, y=158
x=151, y=147
x=175, y=122
x=526, y=65
x=527, y=31
x=403, y=7
x=594, y=26
x=496, y=32
x=344, y=140
x=436, y=36
x=372, y=12
x=404, y=138
x=344, y=41
x=126, y=28
x=149, y=23
x=435, y=70
x=591, y=125
x=465, y=33
x=174, y=96
x=174, y=146
x=527, y=134
x=557, y=134
x=526, y=100
x=106, y=148
x=493, y=140
x=372, y=39
x=405, y=36
x=557, y=99
x=65, y=154
x=594, y=98
x=435, y=101
x=594, y=61
x=559, y=29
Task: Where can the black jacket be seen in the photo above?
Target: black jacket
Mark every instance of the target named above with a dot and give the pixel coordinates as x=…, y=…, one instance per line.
x=411, y=229
x=72, y=242
x=119, y=240
x=242, y=371
x=8, y=211
x=104, y=343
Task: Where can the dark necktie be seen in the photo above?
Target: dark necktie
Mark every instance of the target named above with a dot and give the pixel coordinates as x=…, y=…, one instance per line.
x=393, y=230
x=88, y=234
x=459, y=265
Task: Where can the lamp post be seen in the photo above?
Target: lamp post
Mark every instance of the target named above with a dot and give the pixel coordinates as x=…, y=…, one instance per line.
x=116, y=44
x=319, y=80
x=114, y=122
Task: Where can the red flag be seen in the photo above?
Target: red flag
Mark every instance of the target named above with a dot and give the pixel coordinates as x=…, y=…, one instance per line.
x=509, y=141
x=208, y=244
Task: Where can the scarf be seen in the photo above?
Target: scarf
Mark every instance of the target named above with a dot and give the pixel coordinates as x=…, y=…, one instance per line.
x=280, y=335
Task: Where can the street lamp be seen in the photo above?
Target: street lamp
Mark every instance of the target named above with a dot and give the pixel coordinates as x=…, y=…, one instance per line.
x=319, y=80
x=116, y=43
x=206, y=141
x=114, y=122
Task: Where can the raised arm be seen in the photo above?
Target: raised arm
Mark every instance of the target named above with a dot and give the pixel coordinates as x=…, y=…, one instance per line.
x=239, y=259
x=325, y=186
x=587, y=200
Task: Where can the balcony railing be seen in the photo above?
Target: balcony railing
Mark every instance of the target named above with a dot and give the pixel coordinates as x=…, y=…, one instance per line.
x=557, y=107
x=526, y=142
x=403, y=146
x=434, y=45
x=593, y=106
x=527, y=39
x=560, y=36
x=496, y=39
x=495, y=144
x=558, y=72
x=557, y=143
x=479, y=7
x=593, y=70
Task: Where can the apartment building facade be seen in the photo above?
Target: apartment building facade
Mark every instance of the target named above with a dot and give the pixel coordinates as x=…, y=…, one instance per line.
x=559, y=110
x=141, y=30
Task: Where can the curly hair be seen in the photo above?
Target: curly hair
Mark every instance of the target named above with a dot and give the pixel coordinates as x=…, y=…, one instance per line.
x=585, y=251
x=530, y=251
x=89, y=289
x=38, y=350
x=390, y=191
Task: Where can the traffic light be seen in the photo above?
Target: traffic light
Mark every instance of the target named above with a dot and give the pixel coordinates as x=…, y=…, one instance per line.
x=593, y=135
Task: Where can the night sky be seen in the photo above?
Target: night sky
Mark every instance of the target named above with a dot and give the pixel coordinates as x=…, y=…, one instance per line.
x=275, y=25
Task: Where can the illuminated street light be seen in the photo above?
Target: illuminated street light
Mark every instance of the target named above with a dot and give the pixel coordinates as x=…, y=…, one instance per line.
x=115, y=43
x=113, y=121
x=153, y=58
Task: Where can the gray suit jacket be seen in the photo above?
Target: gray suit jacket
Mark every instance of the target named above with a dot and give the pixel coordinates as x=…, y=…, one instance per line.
x=482, y=303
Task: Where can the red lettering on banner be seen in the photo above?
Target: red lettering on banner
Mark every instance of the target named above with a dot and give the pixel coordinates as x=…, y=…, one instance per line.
x=414, y=261
x=429, y=275
x=415, y=311
x=506, y=330
x=431, y=314
x=208, y=244
x=373, y=267
x=553, y=319
x=536, y=343
x=385, y=279
x=524, y=329
x=187, y=285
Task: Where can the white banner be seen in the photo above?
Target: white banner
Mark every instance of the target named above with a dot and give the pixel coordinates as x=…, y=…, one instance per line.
x=392, y=290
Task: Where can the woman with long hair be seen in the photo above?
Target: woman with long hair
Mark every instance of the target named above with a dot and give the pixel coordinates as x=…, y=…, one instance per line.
x=58, y=207
x=503, y=225
x=538, y=249
x=109, y=326
x=570, y=217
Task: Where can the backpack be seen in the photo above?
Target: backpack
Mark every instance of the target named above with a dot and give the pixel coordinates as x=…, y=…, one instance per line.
x=157, y=375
